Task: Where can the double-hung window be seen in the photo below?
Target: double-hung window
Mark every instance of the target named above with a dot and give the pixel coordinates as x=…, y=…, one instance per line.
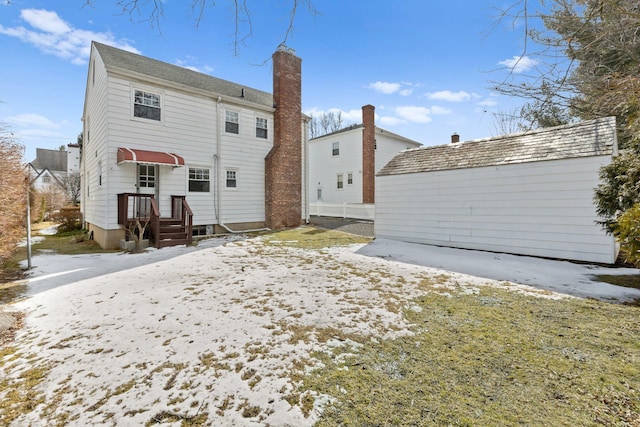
x=199, y=180
x=335, y=149
x=147, y=105
x=232, y=178
x=349, y=178
x=231, y=123
x=261, y=128
x=340, y=182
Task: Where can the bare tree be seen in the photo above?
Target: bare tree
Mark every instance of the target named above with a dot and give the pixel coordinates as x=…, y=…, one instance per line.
x=587, y=66
x=327, y=122
x=153, y=11
x=71, y=185
x=13, y=194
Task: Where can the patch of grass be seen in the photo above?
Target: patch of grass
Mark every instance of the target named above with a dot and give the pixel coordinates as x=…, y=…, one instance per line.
x=627, y=280
x=517, y=361
x=307, y=237
x=22, y=395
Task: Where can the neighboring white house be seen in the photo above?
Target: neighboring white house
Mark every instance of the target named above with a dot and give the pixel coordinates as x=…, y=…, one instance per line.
x=529, y=193
x=342, y=164
x=50, y=167
x=157, y=131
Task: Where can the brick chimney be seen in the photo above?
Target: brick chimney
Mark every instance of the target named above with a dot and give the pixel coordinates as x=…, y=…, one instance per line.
x=455, y=138
x=283, y=164
x=368, y=154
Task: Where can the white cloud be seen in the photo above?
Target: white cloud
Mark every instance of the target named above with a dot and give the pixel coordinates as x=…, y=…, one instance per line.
x=447, y=95
x=440, y=110
x=52, y=35
x=488, y=102
x=390, y=121
x=385, y=87
x=389, y=88
x=185, y=63
x=31, y=119
x=414, y=114
x=519, y=64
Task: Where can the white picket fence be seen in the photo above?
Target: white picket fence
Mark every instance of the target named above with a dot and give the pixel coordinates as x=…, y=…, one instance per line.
x=344, y=210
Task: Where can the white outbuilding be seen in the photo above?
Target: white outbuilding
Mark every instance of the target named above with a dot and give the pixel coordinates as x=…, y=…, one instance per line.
x=529, y=193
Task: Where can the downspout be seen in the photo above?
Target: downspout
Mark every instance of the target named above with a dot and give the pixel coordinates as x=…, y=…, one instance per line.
x=305, y=140
x=217, y=204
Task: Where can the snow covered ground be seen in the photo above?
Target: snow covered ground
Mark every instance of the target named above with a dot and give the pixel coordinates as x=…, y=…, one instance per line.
x=227, y=328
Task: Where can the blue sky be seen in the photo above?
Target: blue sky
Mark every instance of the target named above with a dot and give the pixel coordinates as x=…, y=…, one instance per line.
x=427, y=66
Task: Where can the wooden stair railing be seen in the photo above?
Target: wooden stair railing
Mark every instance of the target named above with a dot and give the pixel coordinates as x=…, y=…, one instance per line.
x=163, y=232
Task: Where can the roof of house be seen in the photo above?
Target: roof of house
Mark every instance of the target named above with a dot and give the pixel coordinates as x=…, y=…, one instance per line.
x=124, y=60
x=360, y=126
x=54, y=160
x=590, y=138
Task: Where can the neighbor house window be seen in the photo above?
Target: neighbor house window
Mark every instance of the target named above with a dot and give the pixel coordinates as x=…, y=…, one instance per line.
x=46, y=179
x=232, y=179
x=261, y=128
x=146, y=105
x=146, y=176
x=349, y=178
x=340, y=182
x=336, y=149
x=231, y=122
x=199, y=180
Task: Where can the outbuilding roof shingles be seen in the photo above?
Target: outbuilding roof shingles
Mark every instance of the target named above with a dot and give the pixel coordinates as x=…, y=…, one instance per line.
x=590, y=138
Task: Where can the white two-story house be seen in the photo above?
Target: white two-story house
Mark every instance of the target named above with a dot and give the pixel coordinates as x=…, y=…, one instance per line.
x=189, y=153
x=343, y=164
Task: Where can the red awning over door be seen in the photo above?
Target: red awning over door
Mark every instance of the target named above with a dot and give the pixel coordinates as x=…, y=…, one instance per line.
x=149, y=157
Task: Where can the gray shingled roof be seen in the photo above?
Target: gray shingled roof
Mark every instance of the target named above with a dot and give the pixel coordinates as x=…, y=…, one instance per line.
x=118, y=58
x=589, y=138
x=54, y=160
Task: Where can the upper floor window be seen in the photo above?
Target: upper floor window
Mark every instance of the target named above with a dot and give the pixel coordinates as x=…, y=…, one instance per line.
x=261, y=128
x=146, y=105
x=232, y=178
x=335, y=149
x=231, y=124
x=199, y=180
x=46, y=179
x=340, y=182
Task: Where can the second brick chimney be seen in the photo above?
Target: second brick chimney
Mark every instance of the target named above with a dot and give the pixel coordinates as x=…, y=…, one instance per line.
x=455, y=138
x=368, y=154
x=283, y=164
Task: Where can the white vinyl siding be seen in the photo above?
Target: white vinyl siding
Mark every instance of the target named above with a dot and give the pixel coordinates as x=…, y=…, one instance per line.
x=538, y=208
x=324, y=165
x=190, y=129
